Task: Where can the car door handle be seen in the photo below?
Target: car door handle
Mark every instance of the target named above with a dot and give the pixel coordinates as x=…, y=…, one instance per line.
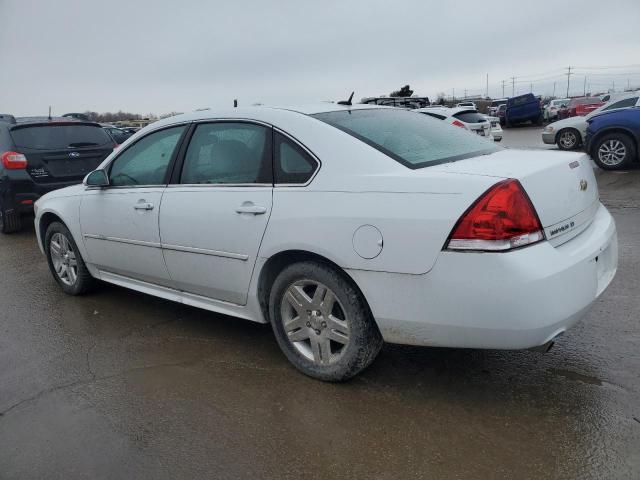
x=249, y=207
x=143, y=206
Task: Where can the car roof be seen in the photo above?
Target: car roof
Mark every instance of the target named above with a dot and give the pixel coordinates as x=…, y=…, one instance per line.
x=263, y=113
x=33, y=121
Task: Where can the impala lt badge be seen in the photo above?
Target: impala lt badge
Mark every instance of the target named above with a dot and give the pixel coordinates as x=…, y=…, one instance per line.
x=583, y=185
x=74, y=154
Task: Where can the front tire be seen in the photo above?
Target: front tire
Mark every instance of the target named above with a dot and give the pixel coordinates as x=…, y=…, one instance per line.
x=568, y=139
x=65, y=262
x=613, y=151
x=322, y=323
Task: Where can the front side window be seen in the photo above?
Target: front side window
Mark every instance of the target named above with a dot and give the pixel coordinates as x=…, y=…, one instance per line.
x=292, y=163
x=228, y=152
x=147, y=160
x=410, y=138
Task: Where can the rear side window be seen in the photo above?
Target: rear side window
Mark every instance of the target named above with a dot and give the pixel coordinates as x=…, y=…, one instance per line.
x=292, y=163
x=410, y=138
x=470, y=117
x=146, y=161
x=228, y=152
x=53, y=137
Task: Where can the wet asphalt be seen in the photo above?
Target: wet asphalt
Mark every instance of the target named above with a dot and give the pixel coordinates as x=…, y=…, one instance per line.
x=120, y=385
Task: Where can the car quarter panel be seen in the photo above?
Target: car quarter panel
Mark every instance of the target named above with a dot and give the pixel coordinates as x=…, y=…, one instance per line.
x=412, y=226
x=518, y=299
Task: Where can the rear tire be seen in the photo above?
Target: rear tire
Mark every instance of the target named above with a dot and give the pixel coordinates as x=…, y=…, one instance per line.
x=65, y=262
x=568, y=139
x=10, y=220
x=322, y=323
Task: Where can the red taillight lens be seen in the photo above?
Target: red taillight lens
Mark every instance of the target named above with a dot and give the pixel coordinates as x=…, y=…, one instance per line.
x=458, y=123
x=501, y=219
x=14, y=160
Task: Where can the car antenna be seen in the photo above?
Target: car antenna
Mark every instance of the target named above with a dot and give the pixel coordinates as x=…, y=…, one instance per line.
x=235, y=103
x=49, y=112
x=346, y=102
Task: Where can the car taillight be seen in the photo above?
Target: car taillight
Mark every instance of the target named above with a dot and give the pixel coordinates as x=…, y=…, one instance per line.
x=14, y=160
x=458, y=123
x=501, y=219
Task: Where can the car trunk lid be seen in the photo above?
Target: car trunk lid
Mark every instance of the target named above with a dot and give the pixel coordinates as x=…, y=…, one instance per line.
x=561, y=186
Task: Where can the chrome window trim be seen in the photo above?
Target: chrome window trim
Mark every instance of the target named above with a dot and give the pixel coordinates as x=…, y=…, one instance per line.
x=201, y=185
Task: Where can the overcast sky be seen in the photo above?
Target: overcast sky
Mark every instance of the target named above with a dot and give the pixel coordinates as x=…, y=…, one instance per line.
x=160, y=56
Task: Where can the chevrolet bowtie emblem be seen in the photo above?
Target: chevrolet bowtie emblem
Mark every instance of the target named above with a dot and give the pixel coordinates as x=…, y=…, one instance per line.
x=583, y=185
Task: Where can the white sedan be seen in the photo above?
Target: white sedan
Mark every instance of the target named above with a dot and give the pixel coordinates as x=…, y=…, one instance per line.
x=342, y=227
x=463, y=117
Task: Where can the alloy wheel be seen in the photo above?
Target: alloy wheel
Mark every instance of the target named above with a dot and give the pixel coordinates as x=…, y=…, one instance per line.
x=315, y=321
x=568, y=139
x=612, y=152
x=63, y=258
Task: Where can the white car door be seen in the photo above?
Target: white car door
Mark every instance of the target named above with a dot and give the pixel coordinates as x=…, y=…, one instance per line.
x=119, y=223
x=213, y=218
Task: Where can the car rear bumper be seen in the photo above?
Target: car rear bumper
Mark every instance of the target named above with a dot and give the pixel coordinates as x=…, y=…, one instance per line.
x=20, y=194
x=515, y=300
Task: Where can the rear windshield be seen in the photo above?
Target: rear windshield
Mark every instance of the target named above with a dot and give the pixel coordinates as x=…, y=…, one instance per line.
x=470, y=117
x=413, y=139
x=50, y=137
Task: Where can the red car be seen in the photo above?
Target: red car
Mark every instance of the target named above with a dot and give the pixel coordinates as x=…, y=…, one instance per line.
x=580, y=106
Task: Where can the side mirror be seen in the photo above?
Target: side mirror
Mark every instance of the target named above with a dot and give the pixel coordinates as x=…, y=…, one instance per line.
x=97, y=178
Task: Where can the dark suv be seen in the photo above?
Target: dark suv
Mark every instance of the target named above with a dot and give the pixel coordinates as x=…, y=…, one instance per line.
x=39, y=154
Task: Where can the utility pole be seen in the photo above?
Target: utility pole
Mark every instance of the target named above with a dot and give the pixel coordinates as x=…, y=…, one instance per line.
x=531, y=88
x=554, y=89
x=513, y=86
x=454, y=94
x=465, y=93
x=584, y=89
x=503, y=82
x=568, y=76
x=486, y=94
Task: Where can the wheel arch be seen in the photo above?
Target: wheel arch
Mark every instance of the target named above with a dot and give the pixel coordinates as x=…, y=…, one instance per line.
x=580, y=138
x=279, y=261
x=610, y=130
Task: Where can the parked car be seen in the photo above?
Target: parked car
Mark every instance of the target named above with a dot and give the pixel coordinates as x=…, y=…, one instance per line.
x=570, y=133
x=401, y=102
x=129, y=130
x=495, y=104
x=502, y=109
x=77, y=116
x=579, y=107
x=461, y=117
x=523, y=108
x=551, y=110
x=41, y=154
x=467, y=105
x=496, y=129
x=342, y=227
x=613, y=138
x=118, y=134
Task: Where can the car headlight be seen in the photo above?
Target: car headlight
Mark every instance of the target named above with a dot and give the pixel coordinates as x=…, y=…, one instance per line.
x=548, y=128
